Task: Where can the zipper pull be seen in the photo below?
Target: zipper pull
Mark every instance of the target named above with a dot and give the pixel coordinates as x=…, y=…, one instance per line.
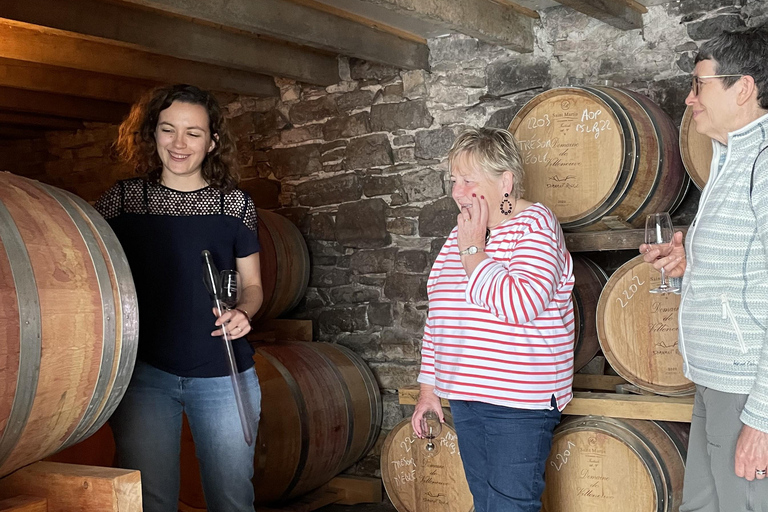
x=724, y=303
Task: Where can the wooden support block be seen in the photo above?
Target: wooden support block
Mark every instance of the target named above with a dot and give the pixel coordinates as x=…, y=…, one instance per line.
x=356, y=489
x=589, y=382
x=75, y=488
x=642, y=407
x=24, y=504
x=281, y=329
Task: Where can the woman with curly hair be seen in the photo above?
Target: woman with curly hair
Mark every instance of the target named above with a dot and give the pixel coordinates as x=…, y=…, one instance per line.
x=185, y=201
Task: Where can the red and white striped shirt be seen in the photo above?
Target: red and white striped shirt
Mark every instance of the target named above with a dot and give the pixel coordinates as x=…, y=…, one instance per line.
x=505, y=334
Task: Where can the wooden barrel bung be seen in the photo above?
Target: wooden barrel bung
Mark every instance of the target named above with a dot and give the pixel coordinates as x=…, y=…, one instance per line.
x=695, y=150
x=419, y=480
x=637, y=330
x=284, y=264
x=592, y=152
x=68, y=321
x=600, y=464
x=589, y=281
x=321, y=412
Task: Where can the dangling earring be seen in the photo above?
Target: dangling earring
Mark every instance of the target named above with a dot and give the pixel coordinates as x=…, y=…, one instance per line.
x=506, y=200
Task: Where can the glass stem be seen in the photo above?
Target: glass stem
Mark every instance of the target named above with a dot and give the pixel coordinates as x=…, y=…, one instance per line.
x=663, y=278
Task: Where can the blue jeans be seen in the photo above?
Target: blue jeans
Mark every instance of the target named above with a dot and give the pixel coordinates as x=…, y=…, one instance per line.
x=147, y=430
x=504, y=451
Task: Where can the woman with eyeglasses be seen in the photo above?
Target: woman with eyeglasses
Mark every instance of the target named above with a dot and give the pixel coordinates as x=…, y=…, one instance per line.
x=723, y=317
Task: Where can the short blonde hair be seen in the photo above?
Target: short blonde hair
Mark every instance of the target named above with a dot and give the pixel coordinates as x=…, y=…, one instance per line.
x=494, y=150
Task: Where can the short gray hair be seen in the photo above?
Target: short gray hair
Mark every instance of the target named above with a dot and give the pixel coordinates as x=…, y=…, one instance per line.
x=494, y=150
x=740, y=52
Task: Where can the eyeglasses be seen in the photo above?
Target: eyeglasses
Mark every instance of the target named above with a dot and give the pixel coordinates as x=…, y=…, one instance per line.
x=696, y=82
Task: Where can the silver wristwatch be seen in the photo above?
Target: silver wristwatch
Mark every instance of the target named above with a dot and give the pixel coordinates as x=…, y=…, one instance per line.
x=469, y=250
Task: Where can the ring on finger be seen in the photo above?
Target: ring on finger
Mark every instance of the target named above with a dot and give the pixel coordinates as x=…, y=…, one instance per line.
x=760, y=472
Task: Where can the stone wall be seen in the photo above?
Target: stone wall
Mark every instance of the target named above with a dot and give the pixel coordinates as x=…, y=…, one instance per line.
x=360, y=166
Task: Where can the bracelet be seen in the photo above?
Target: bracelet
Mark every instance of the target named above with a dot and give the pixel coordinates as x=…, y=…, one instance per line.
x=243, y=311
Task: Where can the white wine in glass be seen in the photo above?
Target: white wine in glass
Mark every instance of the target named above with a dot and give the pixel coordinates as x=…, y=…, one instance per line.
x=659, y=231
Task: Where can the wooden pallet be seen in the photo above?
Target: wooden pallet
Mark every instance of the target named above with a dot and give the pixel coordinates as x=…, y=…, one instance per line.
x=616, y=405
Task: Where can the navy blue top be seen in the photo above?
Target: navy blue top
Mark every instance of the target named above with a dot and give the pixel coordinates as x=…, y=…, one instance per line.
x=163, y=232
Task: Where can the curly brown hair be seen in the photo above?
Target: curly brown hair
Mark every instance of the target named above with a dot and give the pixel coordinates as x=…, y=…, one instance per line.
x=136, y=140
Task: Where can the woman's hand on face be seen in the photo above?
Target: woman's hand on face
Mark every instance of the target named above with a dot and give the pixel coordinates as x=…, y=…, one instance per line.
x=428, y=401
x=235, y=321
x=671, y=256
x=472, y=224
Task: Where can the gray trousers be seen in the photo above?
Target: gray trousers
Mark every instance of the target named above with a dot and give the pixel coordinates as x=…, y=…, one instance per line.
x=711, y=484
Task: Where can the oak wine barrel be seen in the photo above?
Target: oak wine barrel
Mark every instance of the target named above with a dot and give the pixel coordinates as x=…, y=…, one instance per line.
x=589, y=281
x=68, y=321
x=284, y=264
x=600, y=464
x=638, y=330
x=420, y=480
x=321, y=411
x=592, y=152
x=695, y=150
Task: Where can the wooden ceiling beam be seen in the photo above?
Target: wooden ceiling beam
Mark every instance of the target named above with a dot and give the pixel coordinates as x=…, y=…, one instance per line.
x=71, y=82
x=13, y=132
x=622, y=14
x=31, y=43
x=18, y=100
x=39, y=121
x=303, y=25
x=486, y=20
x=176, y=37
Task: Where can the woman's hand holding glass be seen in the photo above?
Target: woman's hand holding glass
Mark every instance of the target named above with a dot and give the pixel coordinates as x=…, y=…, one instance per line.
x=428, y=402
x=238, y=324
x=664, y=247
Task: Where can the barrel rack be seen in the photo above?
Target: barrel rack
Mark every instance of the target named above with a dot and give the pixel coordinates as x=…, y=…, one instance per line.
x=607, y=395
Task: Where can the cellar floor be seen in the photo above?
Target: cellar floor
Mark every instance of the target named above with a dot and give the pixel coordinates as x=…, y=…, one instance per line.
x=384, y=506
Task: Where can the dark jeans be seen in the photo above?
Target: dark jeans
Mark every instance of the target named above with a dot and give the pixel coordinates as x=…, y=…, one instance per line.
x=147, y=428
x=504, y=451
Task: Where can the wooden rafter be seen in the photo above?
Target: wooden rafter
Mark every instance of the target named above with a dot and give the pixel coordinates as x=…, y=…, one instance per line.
x=17, y=100
x=42, y=45
x=176, y=37
x=39, y=121
x=72, y=82
x=301, y=25
x=623, y=14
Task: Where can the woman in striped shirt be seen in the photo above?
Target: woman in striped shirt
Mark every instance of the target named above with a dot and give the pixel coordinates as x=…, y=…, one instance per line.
x=498, y=342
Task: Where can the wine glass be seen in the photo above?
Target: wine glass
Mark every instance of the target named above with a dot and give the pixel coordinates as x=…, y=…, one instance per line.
x=230, y=288
x=431, y=428
x=659, y=231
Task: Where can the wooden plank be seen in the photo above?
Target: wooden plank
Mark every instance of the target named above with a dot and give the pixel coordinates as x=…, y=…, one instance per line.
x=641, y=407
x=356, y=489
x=45, y=122
x=25, y=42
x=18, y=100
x=37, y=77
x=488, y=21
x=302, y=25
x=24, y=504
x=176, y=37
x=597, y=382
x=519, y=8
x=609, y=240
x=341, y=8
x=71, y=487
x=14, y=132
x=618, y=14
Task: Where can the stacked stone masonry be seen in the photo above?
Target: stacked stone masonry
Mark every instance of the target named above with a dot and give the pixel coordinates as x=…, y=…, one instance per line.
x=360, y=166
